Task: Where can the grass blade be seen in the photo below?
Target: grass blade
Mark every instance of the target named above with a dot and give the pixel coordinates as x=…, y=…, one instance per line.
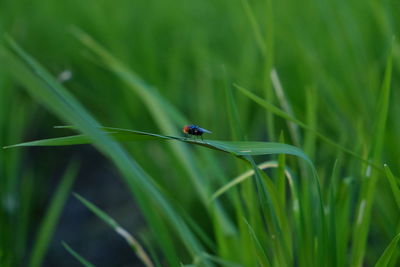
x=266, y=47
x=393, y=184
x=260, y=252
x=221, y=262
x=77, y=256
x=369, y=184
x=387, y=254
x=284, y=102
x=244, y=176
x=243, y=148
x=52, y=215
x=133, y=243
x=280, y=176
x=233, y=114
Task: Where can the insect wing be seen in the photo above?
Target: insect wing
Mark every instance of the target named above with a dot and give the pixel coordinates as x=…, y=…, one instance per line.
x=204, y=130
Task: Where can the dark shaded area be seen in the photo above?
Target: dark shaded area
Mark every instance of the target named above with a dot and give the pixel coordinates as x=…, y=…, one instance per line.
x=98, y=182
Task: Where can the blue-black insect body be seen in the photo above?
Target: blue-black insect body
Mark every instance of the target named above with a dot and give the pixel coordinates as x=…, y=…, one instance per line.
x=195, y=130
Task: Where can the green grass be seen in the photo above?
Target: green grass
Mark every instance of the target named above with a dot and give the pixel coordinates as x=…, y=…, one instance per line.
x=304, y=96
x=133, y=243
x=77, y=256
x=52, y=216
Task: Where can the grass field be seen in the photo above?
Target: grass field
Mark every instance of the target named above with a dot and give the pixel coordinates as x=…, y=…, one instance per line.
x=301, y=167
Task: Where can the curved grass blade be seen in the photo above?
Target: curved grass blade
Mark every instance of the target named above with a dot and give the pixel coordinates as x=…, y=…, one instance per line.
x=77, y=256
x=244, y=176
x=387, y=254
x=83, y=139
x=243, y=148
x=133, y=243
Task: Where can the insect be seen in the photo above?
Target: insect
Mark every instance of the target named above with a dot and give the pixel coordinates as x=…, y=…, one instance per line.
x=195, y=130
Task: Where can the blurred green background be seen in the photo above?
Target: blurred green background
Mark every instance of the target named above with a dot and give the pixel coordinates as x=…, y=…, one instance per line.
x=329, y=55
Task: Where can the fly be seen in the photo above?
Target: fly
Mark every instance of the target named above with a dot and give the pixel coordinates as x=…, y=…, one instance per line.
x=195, y=130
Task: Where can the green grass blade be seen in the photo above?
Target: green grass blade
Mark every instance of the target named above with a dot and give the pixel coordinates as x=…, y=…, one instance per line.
x=393, y=185
x=271, y=210
x=383, y=106
x=286, y=106
x=99, y=213
x=233, y=114
x=118, y=134
x=266, y=47
x=246, y=175
x=236, y=148
x=369, y=184
x=387, y=254
x=221, y=262
x=256, y=27
x=150, y=247
x=53, y=213
x=133, y=243
x=77, y=256
x=260, y=252
x=280, y=176
x=311, y=118
x=331, y=218
x=206, y=239
x=343, y=220
x=59, y=141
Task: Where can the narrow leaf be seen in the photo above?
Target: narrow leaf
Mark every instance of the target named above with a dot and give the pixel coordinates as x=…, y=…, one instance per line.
x=393, y=185
x=51, y=217
x=242, y=148
x=387, y=254
x=133, y=243
x=77, y=256
x=246, y=175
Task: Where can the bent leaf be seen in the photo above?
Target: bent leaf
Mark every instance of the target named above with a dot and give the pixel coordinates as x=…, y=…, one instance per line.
x=249, y=173
x=243, y=148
